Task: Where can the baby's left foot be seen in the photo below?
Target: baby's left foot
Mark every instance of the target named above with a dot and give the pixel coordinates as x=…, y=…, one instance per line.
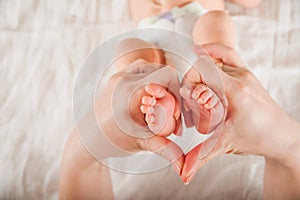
x=161, y=110
x=206, y=107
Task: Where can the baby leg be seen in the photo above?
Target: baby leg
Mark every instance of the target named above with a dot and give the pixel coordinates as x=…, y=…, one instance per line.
x=141, y=9
x=130, y=50
x=212, y=5
x=214, y=27
x=161, y=110
x=247, y=3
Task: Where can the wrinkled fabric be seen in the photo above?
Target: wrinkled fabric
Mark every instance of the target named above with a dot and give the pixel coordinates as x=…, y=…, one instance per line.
x=44, y=43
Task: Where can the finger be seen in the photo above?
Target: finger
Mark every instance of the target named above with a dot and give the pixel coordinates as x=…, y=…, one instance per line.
x=164, y=148
x=178, y=127
x=226, y=54
x=188, y=118
x=212, y=76
x=192, y=77
x=185, y=91
x=177, y=116
x=149, y=101
x=199, y=156
x=166, y=77
x=147, y=109
x=191, y=165
x=186, y=106
x=177, y=110
x=155, y=90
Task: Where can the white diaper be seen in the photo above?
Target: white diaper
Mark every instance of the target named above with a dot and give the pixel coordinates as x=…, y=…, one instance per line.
x=177, y=19
x=180, y=20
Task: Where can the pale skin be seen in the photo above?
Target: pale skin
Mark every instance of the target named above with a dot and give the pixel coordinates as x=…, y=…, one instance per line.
x=83, y=177
x=159, y=108
x=209, y=105
x=260, y=134
x=277, y=142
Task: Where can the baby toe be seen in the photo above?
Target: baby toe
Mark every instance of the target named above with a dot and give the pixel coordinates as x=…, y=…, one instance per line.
x=198, y=90
x=204, y=97
x=147, y=109
x=211, y=102
x=149, y=101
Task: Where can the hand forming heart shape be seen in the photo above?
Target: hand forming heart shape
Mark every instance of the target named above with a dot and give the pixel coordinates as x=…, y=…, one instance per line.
x=124, y=124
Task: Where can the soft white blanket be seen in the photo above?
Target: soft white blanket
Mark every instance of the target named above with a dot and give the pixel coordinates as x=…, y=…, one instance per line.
x=42, y=46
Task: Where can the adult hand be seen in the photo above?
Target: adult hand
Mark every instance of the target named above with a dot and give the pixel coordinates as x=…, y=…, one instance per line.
x=250, y=126
x=121, y=121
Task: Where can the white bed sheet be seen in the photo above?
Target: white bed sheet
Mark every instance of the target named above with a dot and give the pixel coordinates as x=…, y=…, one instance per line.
x=42, y=46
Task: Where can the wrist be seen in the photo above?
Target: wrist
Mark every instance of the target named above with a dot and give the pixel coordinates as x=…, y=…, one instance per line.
x=283, y=144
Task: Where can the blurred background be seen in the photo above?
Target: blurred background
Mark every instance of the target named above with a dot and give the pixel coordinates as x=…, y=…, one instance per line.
x=43, y=43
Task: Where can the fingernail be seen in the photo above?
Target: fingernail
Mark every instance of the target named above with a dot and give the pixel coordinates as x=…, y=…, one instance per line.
x=190, y=177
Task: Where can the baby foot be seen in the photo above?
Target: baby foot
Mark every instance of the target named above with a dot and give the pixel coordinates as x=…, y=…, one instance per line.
x=161, y=110
x=206, y=107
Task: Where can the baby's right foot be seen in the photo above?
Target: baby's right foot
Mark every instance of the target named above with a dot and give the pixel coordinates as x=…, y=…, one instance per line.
x=161, y=110
x=209, y=110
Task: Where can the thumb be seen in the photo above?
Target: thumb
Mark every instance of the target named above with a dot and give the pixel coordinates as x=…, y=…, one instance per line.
x=225, y=54
x=164, y=148
x=199, y=156
x=185, y=92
